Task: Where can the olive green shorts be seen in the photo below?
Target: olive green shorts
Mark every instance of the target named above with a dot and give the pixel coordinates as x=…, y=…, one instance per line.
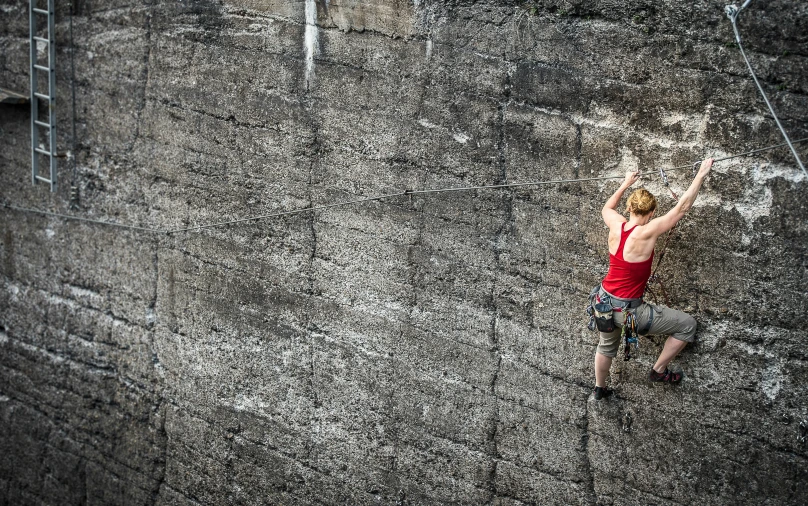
x=667, y=321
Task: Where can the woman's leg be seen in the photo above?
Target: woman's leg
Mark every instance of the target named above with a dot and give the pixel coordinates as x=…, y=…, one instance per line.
x=606, y=350
x=680, y=326
x=672, y=348
x=602, y=366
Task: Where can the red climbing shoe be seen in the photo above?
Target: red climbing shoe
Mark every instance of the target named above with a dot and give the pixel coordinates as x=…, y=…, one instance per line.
x=665, y=377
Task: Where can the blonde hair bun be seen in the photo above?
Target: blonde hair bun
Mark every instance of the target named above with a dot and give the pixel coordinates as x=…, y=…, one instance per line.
x=641, y=202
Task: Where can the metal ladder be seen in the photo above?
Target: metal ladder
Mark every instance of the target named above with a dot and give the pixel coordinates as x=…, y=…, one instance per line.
x=36, y=14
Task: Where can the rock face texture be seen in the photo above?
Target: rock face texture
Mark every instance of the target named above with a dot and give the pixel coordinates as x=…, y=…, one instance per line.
x=425, y=349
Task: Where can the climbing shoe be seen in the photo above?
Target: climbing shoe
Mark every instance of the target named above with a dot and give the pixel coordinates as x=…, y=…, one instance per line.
x=665, y=377
x=601, y=392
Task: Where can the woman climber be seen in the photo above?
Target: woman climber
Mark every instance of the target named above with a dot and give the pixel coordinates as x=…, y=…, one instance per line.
x=631, y=253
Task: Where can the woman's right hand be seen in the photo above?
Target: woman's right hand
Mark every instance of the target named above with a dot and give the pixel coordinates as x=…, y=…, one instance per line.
x=632, y=177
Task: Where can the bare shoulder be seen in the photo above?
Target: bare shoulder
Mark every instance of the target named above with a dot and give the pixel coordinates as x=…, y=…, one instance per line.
x=616, y=226
x=613, y=219
x=656, y=227
x=647, y=231
x=616, y=229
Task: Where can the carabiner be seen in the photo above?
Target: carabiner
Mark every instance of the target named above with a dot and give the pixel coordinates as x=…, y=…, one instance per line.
x=663, y=176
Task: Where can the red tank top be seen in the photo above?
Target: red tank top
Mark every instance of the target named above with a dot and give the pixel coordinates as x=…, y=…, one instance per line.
x=627, y=279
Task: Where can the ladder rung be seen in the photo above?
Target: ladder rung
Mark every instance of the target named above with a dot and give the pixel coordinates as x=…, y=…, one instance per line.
x=42, y=39
x=41, y=11
x=43, y=96
x=44, y=179
x=43, y=152
x=40, y=123
x=40, y=67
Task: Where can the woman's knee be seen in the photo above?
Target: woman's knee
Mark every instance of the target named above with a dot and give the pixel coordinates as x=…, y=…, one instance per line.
x=687, y=329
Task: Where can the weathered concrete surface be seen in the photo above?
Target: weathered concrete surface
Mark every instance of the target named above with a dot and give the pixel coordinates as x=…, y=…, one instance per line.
x=425, y=350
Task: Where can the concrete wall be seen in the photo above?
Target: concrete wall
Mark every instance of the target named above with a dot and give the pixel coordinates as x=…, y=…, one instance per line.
x=421, y=350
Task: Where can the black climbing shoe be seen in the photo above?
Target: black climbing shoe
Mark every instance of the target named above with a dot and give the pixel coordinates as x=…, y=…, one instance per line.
x=665, y=377
x=601, y=392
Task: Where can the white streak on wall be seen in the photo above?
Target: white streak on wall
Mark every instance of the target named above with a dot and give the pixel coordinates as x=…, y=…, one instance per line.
x=757, y=199
x=754, y=204
x=461, y=137
x=310, y=41
x=428, y=49
x=249, y=403
x=628, y=161
x=772, y=380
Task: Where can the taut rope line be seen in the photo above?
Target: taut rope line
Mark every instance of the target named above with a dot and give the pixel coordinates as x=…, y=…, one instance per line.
x=376, y=198
x=732, y=12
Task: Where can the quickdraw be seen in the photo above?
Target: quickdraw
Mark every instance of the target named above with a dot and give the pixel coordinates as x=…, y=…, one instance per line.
x=663, y=176
x=629, y=334
x=667, y=184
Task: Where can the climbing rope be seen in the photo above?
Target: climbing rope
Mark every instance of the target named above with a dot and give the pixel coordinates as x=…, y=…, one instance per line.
x=77, y=218
x=461, y=188
x=376, y=198
x=655, y=278
x=732, y=12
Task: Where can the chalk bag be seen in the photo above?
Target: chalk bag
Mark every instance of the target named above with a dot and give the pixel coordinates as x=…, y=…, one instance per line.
x=604, y=317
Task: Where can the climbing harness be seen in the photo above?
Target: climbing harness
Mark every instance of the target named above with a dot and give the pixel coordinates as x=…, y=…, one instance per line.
x=732, y=12
x=590, y=308
x=601, y=310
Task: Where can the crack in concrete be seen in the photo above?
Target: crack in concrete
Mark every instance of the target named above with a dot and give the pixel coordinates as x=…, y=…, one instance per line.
x=145, y=75
x=585, y=449
x=310, y=326
x=230, y=118
x=162, y=461
x=495, y=313
x=160, y=410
